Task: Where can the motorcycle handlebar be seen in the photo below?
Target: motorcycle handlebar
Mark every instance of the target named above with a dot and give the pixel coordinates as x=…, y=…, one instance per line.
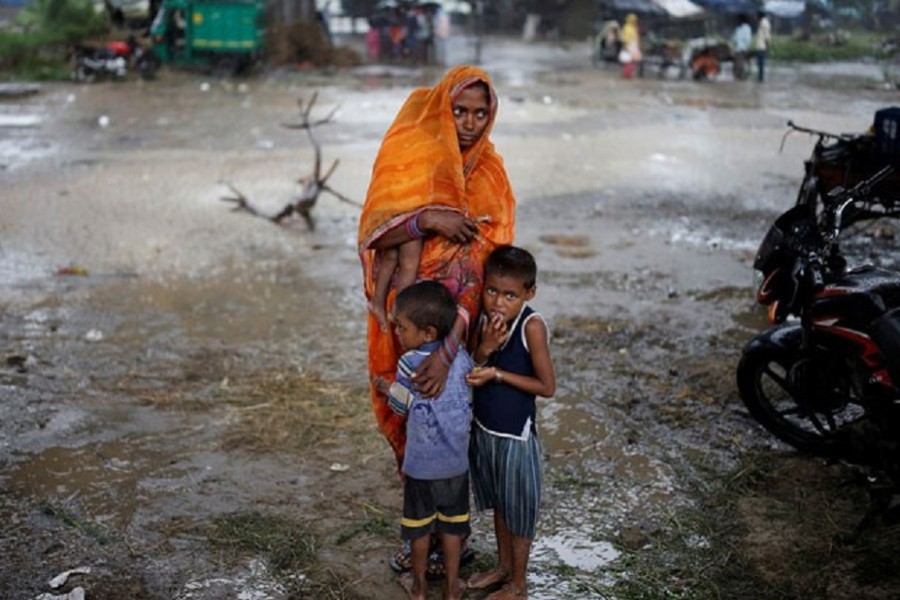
x=844, y=198
x=823, y=135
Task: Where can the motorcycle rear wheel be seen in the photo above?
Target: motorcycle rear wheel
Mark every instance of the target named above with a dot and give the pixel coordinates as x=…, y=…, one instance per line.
x=771, y=384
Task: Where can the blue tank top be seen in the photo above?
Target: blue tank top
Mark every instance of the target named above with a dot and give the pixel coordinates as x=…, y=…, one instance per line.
x=499, y=407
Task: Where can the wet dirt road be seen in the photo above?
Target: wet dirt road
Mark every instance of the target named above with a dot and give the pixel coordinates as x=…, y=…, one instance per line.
x=197, y=364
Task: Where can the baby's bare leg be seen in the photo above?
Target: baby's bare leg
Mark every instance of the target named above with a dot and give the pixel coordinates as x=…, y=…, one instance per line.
x=378, y=304
x=408, y=270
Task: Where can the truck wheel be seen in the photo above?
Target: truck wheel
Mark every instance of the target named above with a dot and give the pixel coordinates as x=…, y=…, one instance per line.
x=147, y=66
x=225, y=66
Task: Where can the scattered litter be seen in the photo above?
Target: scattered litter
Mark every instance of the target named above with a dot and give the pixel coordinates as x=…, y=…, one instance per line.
x=94, y=335
x=547, y=100
x=20, y=362
x=76, y=594
x=204, y=87
x=72, y=270
x=64, y=576
x=243, y=88
x=340, y=467
x=70, y=98
x=103, y=121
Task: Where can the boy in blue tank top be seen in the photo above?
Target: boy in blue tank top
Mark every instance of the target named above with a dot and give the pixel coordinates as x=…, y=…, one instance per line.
x=436, y=465
x=513, y=367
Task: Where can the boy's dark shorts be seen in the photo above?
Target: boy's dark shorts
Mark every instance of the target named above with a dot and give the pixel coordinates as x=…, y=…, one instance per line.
x=435, y=505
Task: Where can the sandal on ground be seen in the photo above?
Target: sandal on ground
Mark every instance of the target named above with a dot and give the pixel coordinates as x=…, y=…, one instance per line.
x=401, y=561
x=435, y=569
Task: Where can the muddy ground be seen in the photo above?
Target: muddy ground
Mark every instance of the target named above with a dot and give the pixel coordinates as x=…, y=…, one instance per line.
x=184, y=406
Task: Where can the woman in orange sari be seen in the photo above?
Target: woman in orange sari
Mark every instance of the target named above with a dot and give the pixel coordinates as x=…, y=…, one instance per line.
x=437, y=181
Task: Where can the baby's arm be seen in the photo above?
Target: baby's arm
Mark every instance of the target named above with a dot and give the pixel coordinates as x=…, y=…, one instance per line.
x=378, y=304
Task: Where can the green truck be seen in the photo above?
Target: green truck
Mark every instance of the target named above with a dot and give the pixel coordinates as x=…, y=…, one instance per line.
x=225, y=36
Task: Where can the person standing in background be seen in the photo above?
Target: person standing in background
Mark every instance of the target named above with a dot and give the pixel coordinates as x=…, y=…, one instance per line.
x=762, y=44
x=740, y=46
x=630, y=57
x=441, y=26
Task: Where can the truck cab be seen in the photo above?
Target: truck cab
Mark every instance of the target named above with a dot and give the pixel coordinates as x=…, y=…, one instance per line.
x=225, y=36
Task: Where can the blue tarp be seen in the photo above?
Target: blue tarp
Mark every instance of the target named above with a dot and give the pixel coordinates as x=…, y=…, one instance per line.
x=749, y=7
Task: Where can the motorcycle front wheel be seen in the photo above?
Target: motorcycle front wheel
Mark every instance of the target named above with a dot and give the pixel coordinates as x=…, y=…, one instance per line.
x=804, y=403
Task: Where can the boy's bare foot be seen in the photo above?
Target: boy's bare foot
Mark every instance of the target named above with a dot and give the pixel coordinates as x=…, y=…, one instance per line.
x=454, y=592
x=509, y=592
x=486, y=579
x=408, y=583
x=380, y=315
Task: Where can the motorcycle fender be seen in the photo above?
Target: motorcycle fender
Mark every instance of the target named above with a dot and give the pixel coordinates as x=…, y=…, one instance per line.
x=788, y=336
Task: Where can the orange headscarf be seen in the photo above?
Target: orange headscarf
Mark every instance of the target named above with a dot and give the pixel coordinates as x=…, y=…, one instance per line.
x=421, y=166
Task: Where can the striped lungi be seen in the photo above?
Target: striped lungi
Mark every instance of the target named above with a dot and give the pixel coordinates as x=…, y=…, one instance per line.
x=506, y=476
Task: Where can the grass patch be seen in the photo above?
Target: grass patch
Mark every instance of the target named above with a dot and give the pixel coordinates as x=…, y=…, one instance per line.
x=274, y=410
x=771, y=529
x=289, y=549
x=821, y=48
x=69, y=519
x=277, y=411
x=285, y=544
x=377, y=525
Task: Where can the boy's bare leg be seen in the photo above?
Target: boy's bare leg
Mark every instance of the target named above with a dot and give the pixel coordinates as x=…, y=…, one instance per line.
x=408, y=269
x=414, y=582
x=517, y=586
x=378, y=304
x=500, y=573
x=452, y=547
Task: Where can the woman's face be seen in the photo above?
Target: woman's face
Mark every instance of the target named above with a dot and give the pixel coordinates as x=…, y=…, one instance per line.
x=471, y=111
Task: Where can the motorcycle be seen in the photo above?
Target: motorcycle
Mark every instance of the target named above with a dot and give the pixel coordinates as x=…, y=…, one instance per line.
x=112, y=61
x=842, y=160
x=825, y=377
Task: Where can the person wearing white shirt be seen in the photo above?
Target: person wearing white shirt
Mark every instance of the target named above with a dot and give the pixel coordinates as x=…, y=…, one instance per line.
x=762, y=44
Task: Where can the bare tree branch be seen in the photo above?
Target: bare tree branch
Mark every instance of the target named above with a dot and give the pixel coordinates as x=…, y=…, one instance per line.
x=311, y=186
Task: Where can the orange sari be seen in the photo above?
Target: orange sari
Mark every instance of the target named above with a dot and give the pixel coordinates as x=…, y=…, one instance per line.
x=421, y=166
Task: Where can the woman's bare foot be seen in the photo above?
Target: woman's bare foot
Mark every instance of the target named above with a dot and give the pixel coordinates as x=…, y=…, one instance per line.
x=509, y=592
x=379, y=312
x=486, y=579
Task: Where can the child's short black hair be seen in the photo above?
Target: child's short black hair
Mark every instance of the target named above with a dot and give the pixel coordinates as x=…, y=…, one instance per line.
x=428, y=304
x=512, y=261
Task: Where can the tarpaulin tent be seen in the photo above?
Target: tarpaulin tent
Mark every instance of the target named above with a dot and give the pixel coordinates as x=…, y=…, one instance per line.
x=658, y=8
x=733, y=7
x=680, y=9
x=638, y=7
x=785, y=9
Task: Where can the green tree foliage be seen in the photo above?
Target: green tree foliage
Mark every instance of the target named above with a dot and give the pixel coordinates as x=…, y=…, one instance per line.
x=36, y=46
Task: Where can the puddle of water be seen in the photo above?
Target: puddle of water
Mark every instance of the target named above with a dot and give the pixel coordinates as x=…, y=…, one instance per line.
x=254, y=582
x=20, y=120
x=575, y=551
x=102, y=478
